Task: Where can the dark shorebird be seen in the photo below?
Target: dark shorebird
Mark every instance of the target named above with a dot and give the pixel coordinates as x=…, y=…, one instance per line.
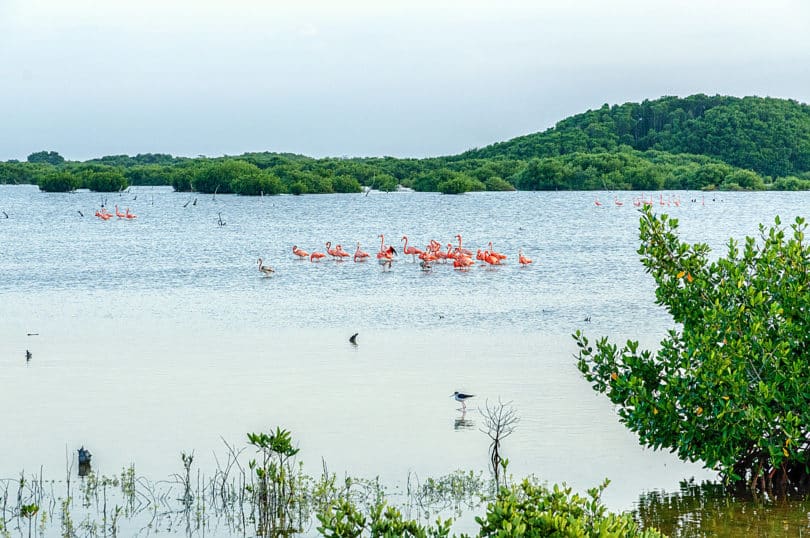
x=353, y=338
x=461, y=397
x=27, y=355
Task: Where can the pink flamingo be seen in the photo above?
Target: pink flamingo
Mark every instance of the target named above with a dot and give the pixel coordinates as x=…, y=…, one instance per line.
x=462, y=250
x=130, y=215
x=524, y=261
x=385, y=255
x=316, y=256
x=118, y=213
x=496, y=254
x=342, y=254
x=331, y=251
x=302, y=254
x=617, y=201
x=359, y=255
x=413, y=251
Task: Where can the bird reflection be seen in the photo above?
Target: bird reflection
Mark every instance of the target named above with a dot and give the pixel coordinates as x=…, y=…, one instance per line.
x=463, y=423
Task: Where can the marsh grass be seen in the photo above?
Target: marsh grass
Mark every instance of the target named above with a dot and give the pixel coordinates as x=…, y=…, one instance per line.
x=233, y=499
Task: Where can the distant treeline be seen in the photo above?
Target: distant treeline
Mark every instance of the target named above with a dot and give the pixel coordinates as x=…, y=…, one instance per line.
x=698, y=142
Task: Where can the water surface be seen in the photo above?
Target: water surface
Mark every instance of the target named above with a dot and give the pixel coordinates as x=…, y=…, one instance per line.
x=159, y=335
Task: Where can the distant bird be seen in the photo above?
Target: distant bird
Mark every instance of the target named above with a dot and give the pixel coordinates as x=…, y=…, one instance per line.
x=84, y=456
x=353, y=338
x=265, y=269
x=27, y=355
x=302, y=254
x=588, y=319
x=461, y=397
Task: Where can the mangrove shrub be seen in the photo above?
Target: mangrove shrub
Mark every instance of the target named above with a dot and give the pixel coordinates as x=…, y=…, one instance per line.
x=731, y=386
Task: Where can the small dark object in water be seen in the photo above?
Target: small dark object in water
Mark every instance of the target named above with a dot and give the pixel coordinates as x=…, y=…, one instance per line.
x=441, y=316
x=220, y=221
x=353, y=338
x=587, y=319
x=6, y=214
x=195, y=202
x=27, y=355
x=84, y=456
x=80, y=213
x=32, y=334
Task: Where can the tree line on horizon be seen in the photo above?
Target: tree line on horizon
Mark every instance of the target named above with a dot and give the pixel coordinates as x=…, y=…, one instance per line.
x=697, y=142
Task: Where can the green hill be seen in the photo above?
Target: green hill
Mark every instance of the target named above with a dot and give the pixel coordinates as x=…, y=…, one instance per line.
x=766, y=135
x=696, y=142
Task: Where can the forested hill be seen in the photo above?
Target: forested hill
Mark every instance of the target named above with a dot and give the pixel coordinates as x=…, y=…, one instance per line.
x=769, y=136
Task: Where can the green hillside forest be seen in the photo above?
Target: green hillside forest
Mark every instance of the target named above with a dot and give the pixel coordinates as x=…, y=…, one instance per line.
x=697, y=142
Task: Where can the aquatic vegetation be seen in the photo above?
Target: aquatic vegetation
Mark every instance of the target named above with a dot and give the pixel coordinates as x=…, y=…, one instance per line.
x=532, y=509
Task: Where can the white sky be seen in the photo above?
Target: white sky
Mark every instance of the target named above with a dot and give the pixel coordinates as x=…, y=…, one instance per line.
x=345, y=77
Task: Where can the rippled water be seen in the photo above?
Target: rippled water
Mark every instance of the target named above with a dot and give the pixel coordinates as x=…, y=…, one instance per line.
x=159, y=335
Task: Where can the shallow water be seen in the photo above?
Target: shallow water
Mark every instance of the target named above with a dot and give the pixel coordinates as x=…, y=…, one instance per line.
x=159, y=335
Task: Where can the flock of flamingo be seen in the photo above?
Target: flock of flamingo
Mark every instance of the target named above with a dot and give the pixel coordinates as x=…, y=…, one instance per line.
x=639, y=201
x=103, y=214
x=434, y=252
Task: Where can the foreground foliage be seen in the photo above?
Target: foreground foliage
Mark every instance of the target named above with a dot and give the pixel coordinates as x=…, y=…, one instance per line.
x=529, y=509
x=731, y=388
x=272, y=496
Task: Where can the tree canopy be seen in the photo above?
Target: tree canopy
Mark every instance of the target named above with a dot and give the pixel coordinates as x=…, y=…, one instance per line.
x=697, y=142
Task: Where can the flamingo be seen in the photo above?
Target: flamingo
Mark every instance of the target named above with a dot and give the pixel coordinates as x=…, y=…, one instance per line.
x=636, y=201
x=413, y=251
x=491, y=258
x=386, y=255
x=300, y=253
x=130, y=215
x=462, y=250
x=496, y=254
x=617, y=201
x=331, y=251
x=265, y=269
x=524, y=261
x=463, y=262
x=316, y=256
x=360, y=255
x=597, y=202
x=118, y=213
x=341, y=253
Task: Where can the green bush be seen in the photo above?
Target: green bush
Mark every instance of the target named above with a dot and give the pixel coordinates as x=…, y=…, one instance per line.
x=496, y=183
x=533, y=510
x=104, y=181
x=729, y=387
x=59, y=182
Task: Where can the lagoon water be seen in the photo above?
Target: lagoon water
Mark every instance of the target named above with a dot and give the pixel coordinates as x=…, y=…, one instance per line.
x=159, y=335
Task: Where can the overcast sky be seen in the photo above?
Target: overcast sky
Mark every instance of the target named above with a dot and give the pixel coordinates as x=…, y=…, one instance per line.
x=412, y=78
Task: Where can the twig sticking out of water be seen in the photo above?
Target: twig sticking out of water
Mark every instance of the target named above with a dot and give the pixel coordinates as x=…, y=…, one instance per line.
x=220, y=221
x=6, y=214
x=28, y=356
x=80, y=213
x=499, y=422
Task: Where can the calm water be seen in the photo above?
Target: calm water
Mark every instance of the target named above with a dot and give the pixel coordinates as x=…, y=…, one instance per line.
x=159, y=335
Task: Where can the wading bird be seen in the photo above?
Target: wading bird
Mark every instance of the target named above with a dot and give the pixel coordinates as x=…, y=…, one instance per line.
x=266, y=270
